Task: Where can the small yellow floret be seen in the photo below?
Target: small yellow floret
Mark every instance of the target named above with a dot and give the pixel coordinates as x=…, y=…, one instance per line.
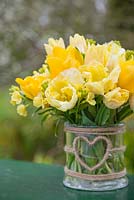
x=15, y=98
x=21, y=110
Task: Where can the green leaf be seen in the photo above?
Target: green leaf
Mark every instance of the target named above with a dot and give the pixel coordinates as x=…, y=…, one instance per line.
x=102, y=115
x=88, y=114
x=98, y=99
x=112, y=118
x=57, y=125
x=92, y=110
x=83, y=106
x=38, y=109
x=105, y=116
x=45, y=110
x=86, y=121
x=45, y=117
x=99, y=113
x=124, y=112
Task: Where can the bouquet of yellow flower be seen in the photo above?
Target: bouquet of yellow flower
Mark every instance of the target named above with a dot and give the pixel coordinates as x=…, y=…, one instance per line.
x=84, y=83
x=87, y=85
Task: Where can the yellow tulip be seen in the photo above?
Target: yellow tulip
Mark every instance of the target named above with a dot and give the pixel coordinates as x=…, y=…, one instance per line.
x=116, y=54
x=99, y=79
x=61, y=94
x=96, y=73
x=109, y=55
x=74, y=77
x=116, y=98
x=62, y=59
x=95, y=87
x=126, y=78
x=53, y=43
x=110, y=82
x=96, y=53
x=31, y=85
x=79, y=42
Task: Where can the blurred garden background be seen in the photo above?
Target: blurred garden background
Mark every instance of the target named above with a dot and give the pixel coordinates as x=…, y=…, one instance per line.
x=25, y=25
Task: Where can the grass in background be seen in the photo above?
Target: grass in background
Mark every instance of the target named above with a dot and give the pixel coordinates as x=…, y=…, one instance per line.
x=24, y=138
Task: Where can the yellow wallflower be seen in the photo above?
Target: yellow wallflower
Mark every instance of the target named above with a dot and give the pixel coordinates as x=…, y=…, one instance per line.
x=31, y=85
x=40, y=101
x=53, y=43
x=116, y=98
x=21, y=110
x=79, y=42
x=126, y=78
x=61, y=94
x=37, y=101
x=16, y=98
x=90, y=98
x=62, y=59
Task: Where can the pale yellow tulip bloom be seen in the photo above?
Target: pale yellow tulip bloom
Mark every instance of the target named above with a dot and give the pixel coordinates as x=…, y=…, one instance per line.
x=61, y=94
x=79, y=42
x=53, y=43
x=116, y=98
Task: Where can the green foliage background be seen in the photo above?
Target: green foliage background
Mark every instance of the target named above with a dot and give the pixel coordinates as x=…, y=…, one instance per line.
x=25, y=26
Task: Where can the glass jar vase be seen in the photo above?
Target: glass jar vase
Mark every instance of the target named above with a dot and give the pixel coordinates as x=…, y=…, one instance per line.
x=95, y=157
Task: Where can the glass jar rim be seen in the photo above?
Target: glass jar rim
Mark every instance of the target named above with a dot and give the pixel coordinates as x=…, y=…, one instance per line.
x=118, y=128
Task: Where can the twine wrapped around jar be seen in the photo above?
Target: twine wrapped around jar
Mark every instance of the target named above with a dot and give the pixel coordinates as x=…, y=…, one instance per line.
x=95, y=153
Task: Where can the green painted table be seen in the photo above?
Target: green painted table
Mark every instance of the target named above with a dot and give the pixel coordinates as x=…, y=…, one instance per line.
x=30, y=181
